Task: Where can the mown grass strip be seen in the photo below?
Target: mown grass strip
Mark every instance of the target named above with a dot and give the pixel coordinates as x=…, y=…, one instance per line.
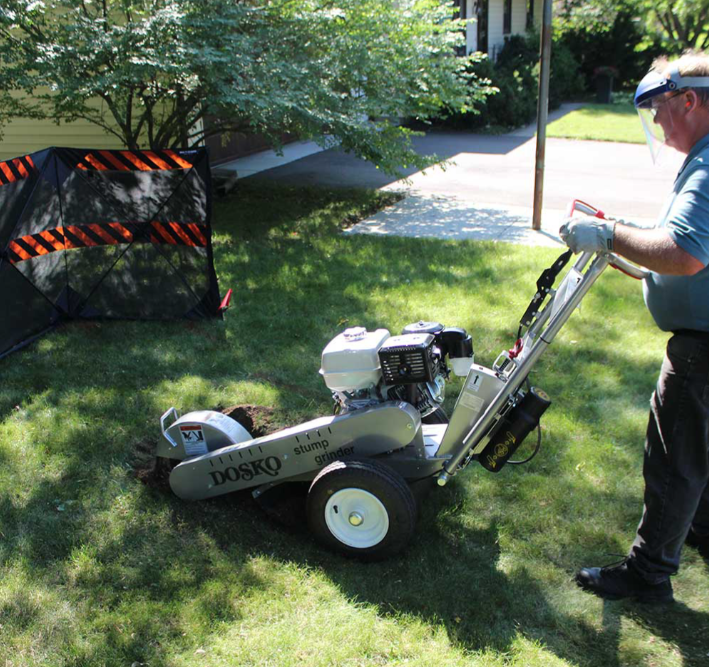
x=600, y=122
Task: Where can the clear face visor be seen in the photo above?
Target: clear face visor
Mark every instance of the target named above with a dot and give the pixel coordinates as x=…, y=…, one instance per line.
x=656, y=119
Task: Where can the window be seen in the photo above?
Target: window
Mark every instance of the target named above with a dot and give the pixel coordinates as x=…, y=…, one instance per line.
x=530, y=14
x=507, y=18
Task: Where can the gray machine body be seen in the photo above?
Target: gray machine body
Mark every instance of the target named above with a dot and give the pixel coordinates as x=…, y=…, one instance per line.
x=219, y=456
x=293, y=454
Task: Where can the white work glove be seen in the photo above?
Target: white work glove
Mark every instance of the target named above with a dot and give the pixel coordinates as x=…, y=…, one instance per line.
x=588, y=234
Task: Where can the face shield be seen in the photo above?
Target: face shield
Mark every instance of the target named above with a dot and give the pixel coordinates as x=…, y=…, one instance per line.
x=657, y=129
x=653, y=101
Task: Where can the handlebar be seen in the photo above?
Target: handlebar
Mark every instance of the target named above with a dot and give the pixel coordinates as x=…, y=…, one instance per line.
x=615, y=261
x=586, y=209
x=626, y=267
x=168, y=413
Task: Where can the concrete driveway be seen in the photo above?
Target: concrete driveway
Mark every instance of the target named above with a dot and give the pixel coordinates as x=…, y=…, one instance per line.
x=487, y=188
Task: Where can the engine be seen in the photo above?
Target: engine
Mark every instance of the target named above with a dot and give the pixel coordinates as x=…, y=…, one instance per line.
x=363, y=368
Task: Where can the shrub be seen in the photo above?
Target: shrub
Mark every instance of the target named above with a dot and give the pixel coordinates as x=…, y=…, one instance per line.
x=516, y=76
x=619, y=43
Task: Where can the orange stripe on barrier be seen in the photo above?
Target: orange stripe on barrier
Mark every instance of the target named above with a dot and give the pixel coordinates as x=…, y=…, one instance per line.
x=45, y=242
x=19, y=250
x=153, y=157
x=7, y=172
x=198, y=233
x=134, y=159
x=68, y=243
x=35, y=245
x=174, y=156
x=20, y=167
x=114, y=161
x=175, y=226
x=81, y=165
x=96, y=229
x=95, y=163
x=125, y=233
x=157, y=226
x=31, y=163
x=49, y=238
x=76, y=231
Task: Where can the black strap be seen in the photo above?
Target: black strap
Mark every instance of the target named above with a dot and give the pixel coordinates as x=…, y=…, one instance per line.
x=544, y=285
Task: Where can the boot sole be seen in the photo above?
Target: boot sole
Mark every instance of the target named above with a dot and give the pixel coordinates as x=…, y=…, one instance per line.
x=647, y=598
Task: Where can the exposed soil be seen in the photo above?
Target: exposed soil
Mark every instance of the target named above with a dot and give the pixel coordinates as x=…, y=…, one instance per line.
x=256, y=419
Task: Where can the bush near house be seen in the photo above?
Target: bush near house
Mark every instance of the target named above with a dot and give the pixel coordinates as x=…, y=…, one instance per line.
x=602, y=40
x=516, y=76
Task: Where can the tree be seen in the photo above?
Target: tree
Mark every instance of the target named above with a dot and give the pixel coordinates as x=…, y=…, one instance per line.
x=345, y=69
x=672, y=25
x=683, y=23
x=606, y=33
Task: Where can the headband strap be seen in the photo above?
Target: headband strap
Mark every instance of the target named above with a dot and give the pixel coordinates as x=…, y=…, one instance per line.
x=676, y=81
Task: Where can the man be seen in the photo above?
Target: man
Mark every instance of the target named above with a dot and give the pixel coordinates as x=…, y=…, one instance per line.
x=673, y=103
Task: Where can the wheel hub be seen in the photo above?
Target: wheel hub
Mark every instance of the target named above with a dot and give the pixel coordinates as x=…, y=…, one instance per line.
x=357, y=518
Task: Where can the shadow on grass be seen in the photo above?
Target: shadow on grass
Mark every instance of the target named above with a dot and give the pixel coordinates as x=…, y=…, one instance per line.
x=459, y=579
x=674, y=626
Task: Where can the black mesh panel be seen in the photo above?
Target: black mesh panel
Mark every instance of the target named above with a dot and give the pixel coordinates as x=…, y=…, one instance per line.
x=24, y=312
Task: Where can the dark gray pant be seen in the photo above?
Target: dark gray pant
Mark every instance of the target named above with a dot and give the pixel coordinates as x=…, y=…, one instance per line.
x=676, y=466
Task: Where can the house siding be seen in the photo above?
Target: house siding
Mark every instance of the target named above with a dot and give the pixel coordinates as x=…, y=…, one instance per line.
x=519, y=17
x=471, y=30
x=496, y=38
x=22, y=136
x=538, y=10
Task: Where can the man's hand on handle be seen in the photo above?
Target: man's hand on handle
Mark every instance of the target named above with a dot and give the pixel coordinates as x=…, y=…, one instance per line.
x=588, y=234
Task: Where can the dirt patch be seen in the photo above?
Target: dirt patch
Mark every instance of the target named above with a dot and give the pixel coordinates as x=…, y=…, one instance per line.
x=155, y=471
x=256, y=419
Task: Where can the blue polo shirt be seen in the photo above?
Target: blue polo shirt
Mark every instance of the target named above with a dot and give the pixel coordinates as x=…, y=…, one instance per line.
x=682, y=302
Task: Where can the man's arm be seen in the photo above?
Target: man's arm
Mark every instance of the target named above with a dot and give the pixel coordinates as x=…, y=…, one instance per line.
x=655, y=250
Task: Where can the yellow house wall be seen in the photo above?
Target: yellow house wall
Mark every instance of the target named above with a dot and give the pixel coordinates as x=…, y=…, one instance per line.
x=22, y=136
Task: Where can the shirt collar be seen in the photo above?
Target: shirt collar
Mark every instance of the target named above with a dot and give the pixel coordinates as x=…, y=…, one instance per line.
x=696, y=149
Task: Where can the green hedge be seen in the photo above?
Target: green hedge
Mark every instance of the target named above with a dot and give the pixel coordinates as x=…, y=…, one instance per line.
x=516, y=75
x=620, y=43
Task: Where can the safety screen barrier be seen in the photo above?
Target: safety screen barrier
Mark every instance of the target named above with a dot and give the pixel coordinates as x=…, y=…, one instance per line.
x=88, y=233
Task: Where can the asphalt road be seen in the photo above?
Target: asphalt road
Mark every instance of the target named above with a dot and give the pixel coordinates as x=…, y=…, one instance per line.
x=499, y=171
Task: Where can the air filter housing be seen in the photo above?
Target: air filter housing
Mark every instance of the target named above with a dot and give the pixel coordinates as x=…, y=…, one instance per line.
x=409, y=359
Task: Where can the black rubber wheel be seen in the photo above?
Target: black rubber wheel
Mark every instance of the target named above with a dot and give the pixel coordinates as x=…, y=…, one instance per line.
x=438, y=416
x=362, y=509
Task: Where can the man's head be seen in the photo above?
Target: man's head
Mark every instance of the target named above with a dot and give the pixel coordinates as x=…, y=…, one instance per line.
x=673, y=102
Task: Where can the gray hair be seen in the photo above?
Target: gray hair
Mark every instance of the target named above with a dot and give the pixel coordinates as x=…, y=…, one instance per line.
x=690, y=63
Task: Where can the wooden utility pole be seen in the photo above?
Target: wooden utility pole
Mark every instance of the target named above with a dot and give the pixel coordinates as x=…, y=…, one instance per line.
x=542, y=112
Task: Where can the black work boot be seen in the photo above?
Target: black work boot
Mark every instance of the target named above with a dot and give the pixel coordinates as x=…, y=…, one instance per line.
x=699, y=542
x=622, y=581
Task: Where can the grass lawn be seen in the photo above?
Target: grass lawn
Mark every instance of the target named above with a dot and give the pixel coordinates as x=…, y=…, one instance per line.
x=97, y=568
x=600, y=122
